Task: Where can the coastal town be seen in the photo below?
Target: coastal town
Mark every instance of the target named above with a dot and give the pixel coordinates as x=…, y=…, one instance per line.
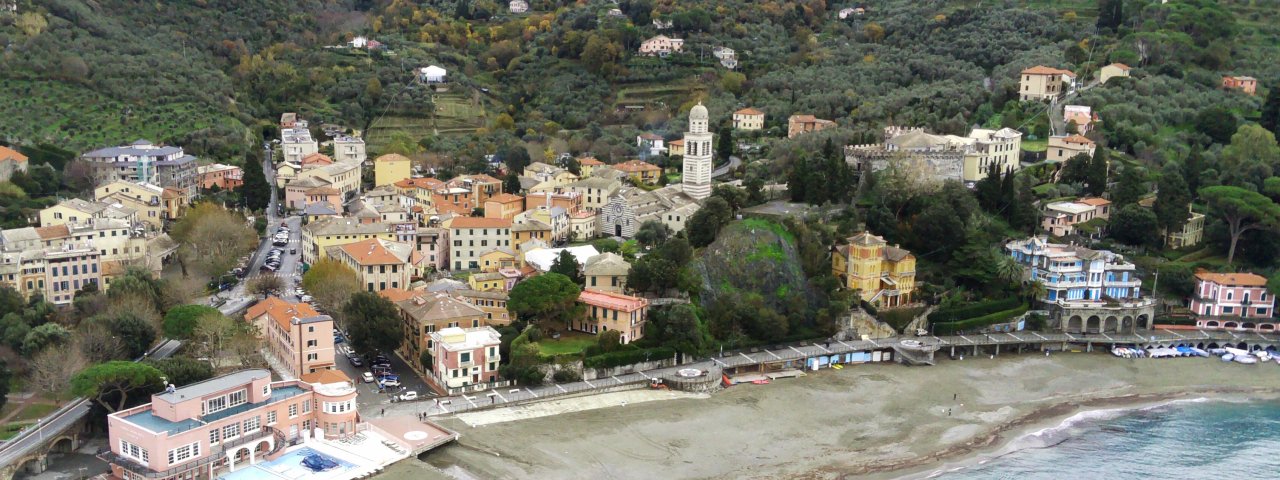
x=416, y=241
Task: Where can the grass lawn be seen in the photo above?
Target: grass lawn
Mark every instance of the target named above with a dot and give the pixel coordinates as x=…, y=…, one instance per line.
x=569, y=342
x=1035, y=145
x=35, y=412
x=10, y=430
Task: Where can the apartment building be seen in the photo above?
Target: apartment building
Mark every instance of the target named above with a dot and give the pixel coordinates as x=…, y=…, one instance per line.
x=748, y=119
x=1065, y=218
x=145, y=162
x=464, y=357
x=1242, y=295
x=424, y=312
x=77, y=211
x=318, y=236
x=299, y=337
x=612, y=311
x=380, y=264
x=1040, y=83
x=1062, y=148
x=154, y=205
x=607, y=272
x=225, y=177
x=391, y=168
x=349, y=149
x=473, y=236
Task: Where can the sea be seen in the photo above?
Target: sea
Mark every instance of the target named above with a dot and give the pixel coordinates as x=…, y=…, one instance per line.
x=1186, y=439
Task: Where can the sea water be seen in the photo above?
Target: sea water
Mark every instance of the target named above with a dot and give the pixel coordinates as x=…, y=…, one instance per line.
x=1179, y=440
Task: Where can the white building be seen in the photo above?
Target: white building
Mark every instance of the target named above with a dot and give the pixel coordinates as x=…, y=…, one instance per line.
x=518, y=6
x=432, y=74
x=543, y=258
x=662, y=46
x=349, y=149
x=696, y=171
x=296, y=143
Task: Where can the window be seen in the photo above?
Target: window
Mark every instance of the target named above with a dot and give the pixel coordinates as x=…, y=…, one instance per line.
x=293, y=410
x=1229, y=295
x=313, y=356
x=271, y=417
x=306, y=406
x=464, y=357
x=312, y=343
x=237, y=398
x=215, y=405
x=184, y=452
x=231, y=431
x=135, y=452
x=1226, y=309
x=214, y=436
x=252, y=425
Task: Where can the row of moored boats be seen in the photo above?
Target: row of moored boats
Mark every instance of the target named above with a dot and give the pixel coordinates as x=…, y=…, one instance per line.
x=1227, y=354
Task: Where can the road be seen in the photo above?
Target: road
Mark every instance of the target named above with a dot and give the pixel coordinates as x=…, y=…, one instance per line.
x=1057, y=124
x=725, y=169
x=33, y=437
x=370, y=401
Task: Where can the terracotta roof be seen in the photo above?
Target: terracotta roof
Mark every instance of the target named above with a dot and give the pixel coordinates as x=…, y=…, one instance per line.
x=505, y=198
x=56, y=231
x=589, y=161
x=1120, y=66
x=1233, y=279
x=449, y=208
x=612, y=301
x=325, y=190
x=396, y=294
x=373, y=251
x=480, y=222
x=1043, y=70
x=281, y=311
x=317, y=158
x=748, y=111
x=419, y=182
x=436, y=306
x=1078, y=138
x=324, y=377
x=392, y=157
x=676, y=142
x=631, y=166
x=1095, y=201
x=650, y=136
x=7, y=153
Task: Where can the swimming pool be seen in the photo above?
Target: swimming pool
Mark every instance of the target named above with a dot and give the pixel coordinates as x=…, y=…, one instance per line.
x=289, y=467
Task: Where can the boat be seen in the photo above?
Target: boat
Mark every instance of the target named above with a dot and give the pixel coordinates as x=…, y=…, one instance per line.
x=1218, y=351
x=1236, y=351
x=1199, y=352
x=1120, y=352
x=1262, y=355
x=1228, y=357
x=1246, y=359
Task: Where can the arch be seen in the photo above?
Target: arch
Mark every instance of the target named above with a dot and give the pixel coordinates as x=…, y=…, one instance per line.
x=1269, y=327
x=1144, y=322
x=1111, y=324
x=1229, y=325
x=1075, y=324
x=1248, y=325
x=30, y=465
x=1200, y=345
x=1093, y=324
x=1242, y=346
x=1214, y=345
x=262, y=446
x=1211, y=324
x=63, y=445
x=1271, y=348
x=1126, y=324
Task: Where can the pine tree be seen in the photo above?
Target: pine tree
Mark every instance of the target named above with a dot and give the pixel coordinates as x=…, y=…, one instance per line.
x=255, y=192
x=724, y=144
x=798, y=179
x=1172, y=198
x=1129, y=189
x=1271, y=112
x=1097, y=173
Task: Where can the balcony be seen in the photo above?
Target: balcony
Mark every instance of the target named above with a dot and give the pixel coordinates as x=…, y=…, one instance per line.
x=215, y=454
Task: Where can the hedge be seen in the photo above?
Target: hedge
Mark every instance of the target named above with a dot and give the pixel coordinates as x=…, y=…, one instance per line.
x=949, y=328
x=973, y=310
x=627, y=357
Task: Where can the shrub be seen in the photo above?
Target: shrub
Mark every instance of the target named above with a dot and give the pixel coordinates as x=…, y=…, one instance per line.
x=565, y=376
x=973, y=310
x=627, y=357
x=949, y=328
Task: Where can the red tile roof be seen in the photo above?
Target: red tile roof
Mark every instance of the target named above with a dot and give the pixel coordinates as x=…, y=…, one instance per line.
x=1233, y=279
x=748, y=111
x=1078, y=138
x=7, y=153
x=419, y=182
x=506, y=198
x=1120, y=66
x=325, y=377
x=371, y=252
x=1043, y=70
x=633, y=166
x=392, y=157
x=612, y=301
x=280, y=311
x=589, y=161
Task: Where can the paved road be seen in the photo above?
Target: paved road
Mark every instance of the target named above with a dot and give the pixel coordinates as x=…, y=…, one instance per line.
x=1057, y=124
x=734, y=162
x=33, y=437
x=510, y=395
x=370, y=400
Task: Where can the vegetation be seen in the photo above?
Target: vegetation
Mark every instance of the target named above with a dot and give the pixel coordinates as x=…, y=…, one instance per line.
x=549, y=300
x=332, y=283
x=373, y=323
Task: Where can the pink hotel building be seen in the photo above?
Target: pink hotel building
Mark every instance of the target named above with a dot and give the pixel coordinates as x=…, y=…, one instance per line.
x=197, y=430
x=1233, y=300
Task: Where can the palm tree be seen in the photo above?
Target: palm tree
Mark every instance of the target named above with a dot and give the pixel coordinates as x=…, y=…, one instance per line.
x=1036, y=290
x=1009, y=269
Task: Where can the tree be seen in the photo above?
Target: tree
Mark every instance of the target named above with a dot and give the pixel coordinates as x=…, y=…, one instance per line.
x=52, y=370
x=44, y=336
x=1270, y=118
x=1075, y=169
x=373, y=323
x=874, y=32
x=1251, y=157
x=97, y=343
x=652, y=233
x=5, y=377
x=255, y=191
x=511, y=183
x=1217, y=122
x=180, y=322
x=136, y=334
x=1172, y=199
x=332, y=283
x=609, y=341
x=706, y=222
x=211, y=239
x=1134, y=225
x=1096, y=182
x=1110, y=14
x=1242, y=210
x=724, y=143
x=566, y=264
x=1129, y=189
x=265, y=285
x=181, y=371
x=545, y=299
x=213, y=334
x=117, y=385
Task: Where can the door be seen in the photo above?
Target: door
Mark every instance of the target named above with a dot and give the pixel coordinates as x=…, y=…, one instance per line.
x=617, y=230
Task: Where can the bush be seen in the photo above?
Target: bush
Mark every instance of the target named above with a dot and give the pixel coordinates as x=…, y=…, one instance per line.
x=973, y=310
x=566, y=376
x=627, y=357
x=949, y=328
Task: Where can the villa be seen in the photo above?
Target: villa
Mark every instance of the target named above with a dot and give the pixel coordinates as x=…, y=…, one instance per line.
x=1236, y=296
x=1093, y=291
x=883, y=275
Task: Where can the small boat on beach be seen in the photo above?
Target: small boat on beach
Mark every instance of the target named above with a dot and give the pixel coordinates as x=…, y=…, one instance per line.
x=1246, y=359
x=1198, y=352
x=1228, y=357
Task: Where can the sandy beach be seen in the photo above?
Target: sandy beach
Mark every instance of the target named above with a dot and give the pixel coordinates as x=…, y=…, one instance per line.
x=866, y=421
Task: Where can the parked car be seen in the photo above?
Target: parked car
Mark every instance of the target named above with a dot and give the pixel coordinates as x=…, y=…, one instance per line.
x=389, y=382
x=293, y=251
x=367, y=377
x=305, y=298
x=356, y=362
x=409, y=395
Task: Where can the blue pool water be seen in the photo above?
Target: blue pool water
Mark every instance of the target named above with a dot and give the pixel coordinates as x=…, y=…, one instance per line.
x=1184, y=440
x=288, y=467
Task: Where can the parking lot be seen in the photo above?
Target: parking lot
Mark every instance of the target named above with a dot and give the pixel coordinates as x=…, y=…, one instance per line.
x=369, y=399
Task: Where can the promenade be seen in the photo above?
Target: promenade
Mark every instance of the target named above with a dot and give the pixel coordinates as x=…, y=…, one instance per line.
x=995, y=343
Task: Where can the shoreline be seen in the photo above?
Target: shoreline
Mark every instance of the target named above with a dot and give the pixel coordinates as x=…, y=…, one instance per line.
x=874, y=421
x=1000, y=441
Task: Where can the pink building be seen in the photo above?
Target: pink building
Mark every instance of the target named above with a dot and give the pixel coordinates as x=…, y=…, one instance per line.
x=612, y=311
x=433, y=246
x=226, y=177
x=296, y=334
x=1064, y=218
x=464, y=357
x=1247, y=85
x=205, y=429
x=1238, y=296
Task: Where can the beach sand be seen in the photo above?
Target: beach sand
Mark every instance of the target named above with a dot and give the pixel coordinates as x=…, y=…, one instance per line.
x=874, y=420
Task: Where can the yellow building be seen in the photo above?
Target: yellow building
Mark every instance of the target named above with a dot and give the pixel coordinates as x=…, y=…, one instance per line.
x=391, y=168
x=487, y=282
x=318, y=236
x=586, y=165
x=1112, y=71
x=497, y=259
x=883, y=275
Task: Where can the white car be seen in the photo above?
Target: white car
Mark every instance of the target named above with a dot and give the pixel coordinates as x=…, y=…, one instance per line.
x=391, y=383
x=367, y=377
x=409, y=395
